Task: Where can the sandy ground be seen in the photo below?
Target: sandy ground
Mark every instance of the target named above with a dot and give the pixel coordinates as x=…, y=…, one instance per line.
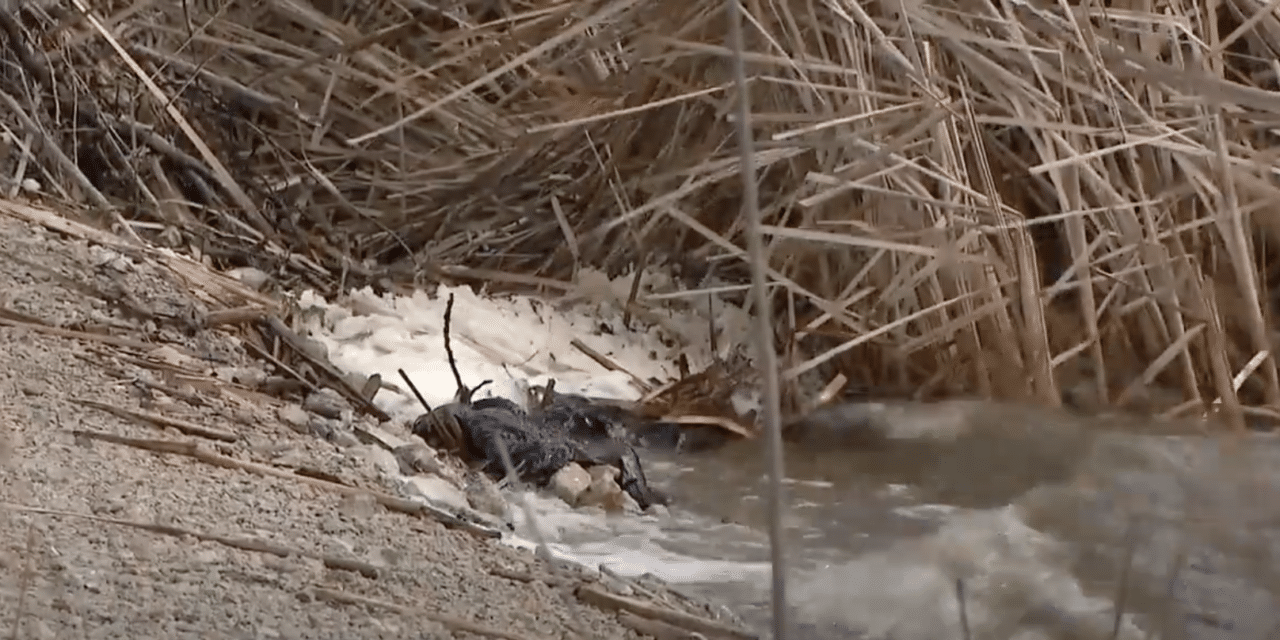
x=71, y=566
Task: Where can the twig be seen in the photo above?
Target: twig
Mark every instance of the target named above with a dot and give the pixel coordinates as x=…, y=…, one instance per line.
x=194, y=450
x=608, y=363
x=238, y=315
x=280, y=364
x=526, y=577
x=724, y=423
x=766, y=357
x=244, y=544
x=463, y=394
x=414, y=388
x=635, y=291
x=343, y=385
x=453, y=623
x=189, y=428
x=598, y=597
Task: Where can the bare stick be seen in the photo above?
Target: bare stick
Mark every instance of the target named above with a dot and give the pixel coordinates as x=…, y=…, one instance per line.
x=464, y=394
x=207, y=456
x=412, y=387
x=766, y=357
x=189, y=428
x=453, y=623
x=598, y=597
x=243, y=544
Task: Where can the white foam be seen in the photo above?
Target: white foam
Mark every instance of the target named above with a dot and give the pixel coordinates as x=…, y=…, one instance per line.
x=511, y=340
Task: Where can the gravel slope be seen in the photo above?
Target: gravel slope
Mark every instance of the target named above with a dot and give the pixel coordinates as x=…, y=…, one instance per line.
x=75, y=574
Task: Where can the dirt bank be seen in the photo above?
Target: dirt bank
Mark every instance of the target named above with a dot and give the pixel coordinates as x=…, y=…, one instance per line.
x=102, y=539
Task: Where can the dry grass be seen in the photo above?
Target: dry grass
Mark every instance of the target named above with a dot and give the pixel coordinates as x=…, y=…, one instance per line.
x=1009, y=199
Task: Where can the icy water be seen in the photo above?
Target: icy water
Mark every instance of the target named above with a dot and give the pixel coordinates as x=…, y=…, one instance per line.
x=1047, y=522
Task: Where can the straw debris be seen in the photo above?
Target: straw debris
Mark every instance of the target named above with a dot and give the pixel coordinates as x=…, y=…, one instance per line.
x=1016, y=200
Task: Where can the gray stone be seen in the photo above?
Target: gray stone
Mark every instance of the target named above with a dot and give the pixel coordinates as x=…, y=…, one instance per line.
x=322, y=427
x=439, y=491
x=570, y=482
x=603, y=489
x=344, y=438
x=417, y=457
x=380, y=459
x=295, y=417
x=326, y=402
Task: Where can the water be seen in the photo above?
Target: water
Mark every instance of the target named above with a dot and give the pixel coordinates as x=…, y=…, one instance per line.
x=1048, y=522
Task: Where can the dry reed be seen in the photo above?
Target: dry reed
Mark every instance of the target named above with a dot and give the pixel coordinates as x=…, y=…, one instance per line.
x=1010, y=199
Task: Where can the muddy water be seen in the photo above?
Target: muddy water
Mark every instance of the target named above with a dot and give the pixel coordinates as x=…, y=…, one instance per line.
x=1050, y=523
x=1045, y=533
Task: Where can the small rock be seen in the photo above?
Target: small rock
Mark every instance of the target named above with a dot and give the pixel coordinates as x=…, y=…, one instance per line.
x=326, y=402
x=570, y=482
x=360, y=506
x=385, y=462
x=620, y=502
x=315, y=349
x=438, y=490
x=604, y=473
x=344, y=438
x=253, y=278
x=603, y=489
x=32, y=388
x=295, y=417
x=322, y=427
x=417, y=457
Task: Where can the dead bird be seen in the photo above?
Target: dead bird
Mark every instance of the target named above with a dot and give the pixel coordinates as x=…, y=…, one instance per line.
x=564, y=428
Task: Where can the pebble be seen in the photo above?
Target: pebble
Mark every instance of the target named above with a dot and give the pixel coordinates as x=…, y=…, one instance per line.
x=253, y=278
x=360, y=506
x=438, y=490
x=385, y=462
x=322, y=427
x=570, y=482
x=344, y=438
x=327, y=403
x=295, y=417
x=417, y=457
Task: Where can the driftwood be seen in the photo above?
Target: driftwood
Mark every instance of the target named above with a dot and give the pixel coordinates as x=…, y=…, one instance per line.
x=202, y=453
x=452, y=622
x=244, y=544
x=596, y=596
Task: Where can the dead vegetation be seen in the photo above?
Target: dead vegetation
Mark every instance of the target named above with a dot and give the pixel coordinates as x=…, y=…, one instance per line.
x=1005, y=199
